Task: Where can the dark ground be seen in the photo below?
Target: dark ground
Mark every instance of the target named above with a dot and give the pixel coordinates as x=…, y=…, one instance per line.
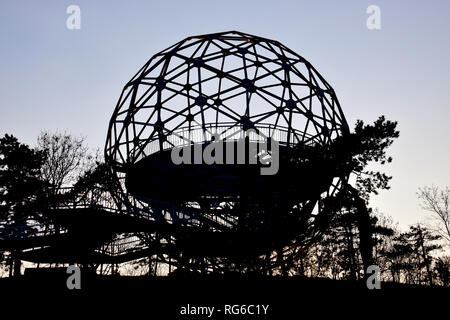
x=163, y=297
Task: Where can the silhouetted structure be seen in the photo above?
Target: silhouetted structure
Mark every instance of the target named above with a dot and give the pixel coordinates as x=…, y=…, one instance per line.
x=216, y=217
x=224, y=216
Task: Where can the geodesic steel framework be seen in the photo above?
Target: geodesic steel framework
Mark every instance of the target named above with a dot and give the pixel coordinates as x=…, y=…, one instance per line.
x=226, y=78
x=224, y=83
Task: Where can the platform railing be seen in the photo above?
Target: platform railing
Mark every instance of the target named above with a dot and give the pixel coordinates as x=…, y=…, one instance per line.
x=186, y=136
x=35, y=226
x=25, y=228
x=123, y=245
x=101, y=199
x=95, y=197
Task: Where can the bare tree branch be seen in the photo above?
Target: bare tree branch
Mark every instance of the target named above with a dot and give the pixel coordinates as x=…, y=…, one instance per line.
x=67, y=157
x=437, y=202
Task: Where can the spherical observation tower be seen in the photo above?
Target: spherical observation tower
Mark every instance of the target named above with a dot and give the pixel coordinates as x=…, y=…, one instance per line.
x=226, y=88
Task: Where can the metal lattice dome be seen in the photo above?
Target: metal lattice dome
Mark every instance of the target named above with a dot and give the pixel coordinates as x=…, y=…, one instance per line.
x=228, y=79
x=225, y=83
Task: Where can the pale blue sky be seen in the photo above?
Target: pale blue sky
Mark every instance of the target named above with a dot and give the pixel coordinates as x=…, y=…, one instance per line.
x=55, y=78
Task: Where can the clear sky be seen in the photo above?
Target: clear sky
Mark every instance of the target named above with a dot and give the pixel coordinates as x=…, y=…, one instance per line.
x=55, y=78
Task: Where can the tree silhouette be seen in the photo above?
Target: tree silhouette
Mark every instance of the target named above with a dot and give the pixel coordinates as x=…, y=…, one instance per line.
x=354, y=152
x=66, y=158
x=409, y=255
x=421, y=240
x=22, y=192
x=438, y=203
x=442, y=270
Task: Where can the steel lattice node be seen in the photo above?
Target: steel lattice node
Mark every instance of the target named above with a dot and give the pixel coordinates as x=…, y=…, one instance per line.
x=223, y=86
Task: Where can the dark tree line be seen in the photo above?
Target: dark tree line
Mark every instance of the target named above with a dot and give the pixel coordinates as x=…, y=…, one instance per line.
x=30, y=178
x=352, y=237
x=22, y=191
x=403, y=257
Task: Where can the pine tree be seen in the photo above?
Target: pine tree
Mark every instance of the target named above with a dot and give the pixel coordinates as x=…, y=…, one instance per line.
x=421, y=240
x=22, y=192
